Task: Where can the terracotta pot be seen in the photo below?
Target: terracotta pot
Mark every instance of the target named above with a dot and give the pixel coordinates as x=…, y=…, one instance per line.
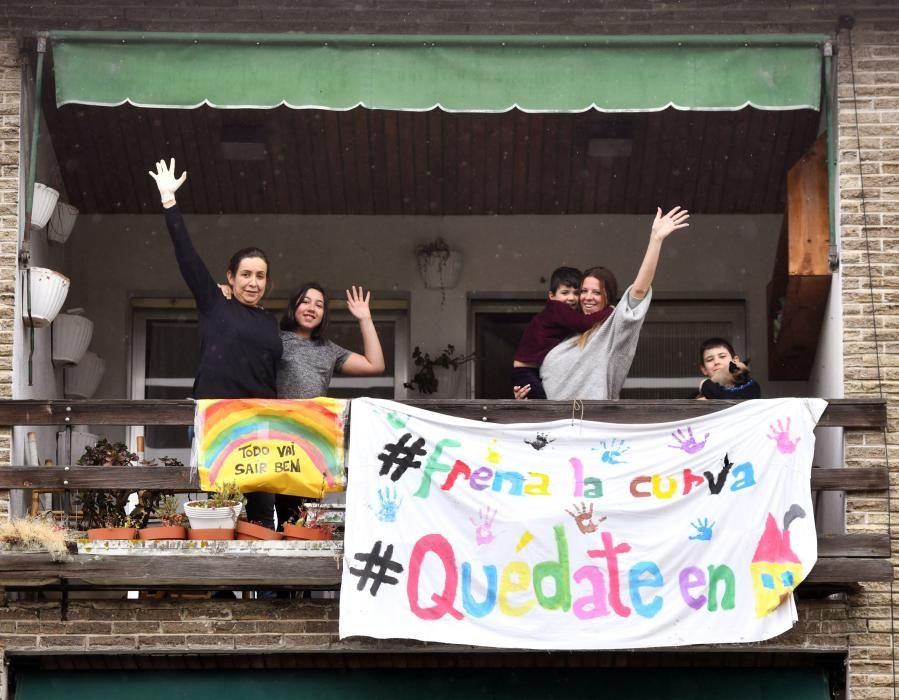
x=215, y=533
x=249, y=531
x=296, y=532
x=164, y=532
x=112, y=533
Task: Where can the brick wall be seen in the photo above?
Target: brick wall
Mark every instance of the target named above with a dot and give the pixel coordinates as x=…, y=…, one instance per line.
x=861, y=626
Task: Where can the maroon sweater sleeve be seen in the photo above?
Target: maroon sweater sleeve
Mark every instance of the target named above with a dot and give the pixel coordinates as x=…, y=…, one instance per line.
x=564, y=317
x=551, y=326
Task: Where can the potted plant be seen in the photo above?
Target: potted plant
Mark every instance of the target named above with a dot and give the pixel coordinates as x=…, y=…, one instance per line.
x=115, y=527
x=105, y=508
x=425, y=379
x=308, y=527
x=219, y=511
x=439, y=267
x=173, y=522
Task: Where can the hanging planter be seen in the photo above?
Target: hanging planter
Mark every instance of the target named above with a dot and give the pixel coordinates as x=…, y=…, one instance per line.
x=72, y=334
x=46, y=293
x=439, y=267
x=62, y=222
x=82, y=380
x=44, y=203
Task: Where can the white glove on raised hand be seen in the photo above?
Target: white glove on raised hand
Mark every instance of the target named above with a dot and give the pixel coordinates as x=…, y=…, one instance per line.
x=166, y=181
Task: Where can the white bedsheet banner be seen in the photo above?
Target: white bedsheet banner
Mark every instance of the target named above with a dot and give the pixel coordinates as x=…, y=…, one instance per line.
x=574, y=534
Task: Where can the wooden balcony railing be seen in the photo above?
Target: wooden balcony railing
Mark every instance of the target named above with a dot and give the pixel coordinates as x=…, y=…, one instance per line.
x=843, y=560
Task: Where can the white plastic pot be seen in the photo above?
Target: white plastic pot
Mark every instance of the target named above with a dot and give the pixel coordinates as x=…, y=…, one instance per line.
x=221, y=518
x=82, y=380
x=44, y=203
x=72, y=334
x=48, y=290
x=62, y=223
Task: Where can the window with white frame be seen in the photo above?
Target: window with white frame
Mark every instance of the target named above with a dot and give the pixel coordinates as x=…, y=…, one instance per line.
x=165, y=355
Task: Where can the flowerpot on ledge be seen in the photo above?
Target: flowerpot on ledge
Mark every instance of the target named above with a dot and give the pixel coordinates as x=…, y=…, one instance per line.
x=164, y=532
x=215, y=533
x=298, y=532
x=205, y=518
x=72, y=334
x=46, y=293
x=252, y=531
x=112, y=533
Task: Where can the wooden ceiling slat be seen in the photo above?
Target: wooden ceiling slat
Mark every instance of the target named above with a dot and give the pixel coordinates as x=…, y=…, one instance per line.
x=651, y=166
x=478, y=164
x=420, y=161
x=435, y=173
x=451, y=164
x=169, y=132
x=492, y=162
x=535, y=162
x=220, y=173
x=777, y=178
x=704, y=172
x=548, y=181
x=394, y=181
x=691, y=165
x=578, y=166
x=347, y=161
x=364, y=159
x=265, y=172
x=96, y=184
x=127, y=148
x=139, y=150
x=377, y=138
x=191, y=160
x=303, y=160
x=331, y=122
x=506, y=164
x=519, y=164
x=204, y=171
x=564, y=159
x=315, y=138
x=63, y=142
x=463, y=166
x=283, y=152
x=720, y=165
x=629, y=204
x=668, y=164
x=405, y=140
x=737, y=166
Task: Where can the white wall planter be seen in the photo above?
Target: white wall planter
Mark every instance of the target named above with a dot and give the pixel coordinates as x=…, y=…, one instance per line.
x=48, y=290
x=221, y=518
x=72, y=334
x=82, y=380
x=62, y=223
x=44, y=203
x=440, y=270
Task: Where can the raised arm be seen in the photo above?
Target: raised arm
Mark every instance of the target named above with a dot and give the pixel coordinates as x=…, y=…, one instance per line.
x=371, y=362
x=662, y=227
x=193, y=269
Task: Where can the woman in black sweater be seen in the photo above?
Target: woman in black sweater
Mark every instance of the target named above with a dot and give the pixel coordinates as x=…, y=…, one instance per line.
x=240, y=343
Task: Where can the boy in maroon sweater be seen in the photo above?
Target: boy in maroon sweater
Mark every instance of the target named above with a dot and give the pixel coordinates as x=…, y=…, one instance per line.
x=560, y=318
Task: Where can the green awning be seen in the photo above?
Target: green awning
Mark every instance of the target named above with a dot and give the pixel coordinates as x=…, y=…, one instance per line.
x=455, y=73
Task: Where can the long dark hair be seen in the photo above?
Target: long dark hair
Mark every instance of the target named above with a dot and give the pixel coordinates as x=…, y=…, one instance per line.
x=289, y=321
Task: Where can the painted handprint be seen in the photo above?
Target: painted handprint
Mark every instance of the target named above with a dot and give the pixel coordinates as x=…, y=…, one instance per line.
x=583, y=518
x=539, y=442
x=703, y=529
x=781, y=435
x=390, y=505
x=687, y=441
x=483, y=528
x=613, y=450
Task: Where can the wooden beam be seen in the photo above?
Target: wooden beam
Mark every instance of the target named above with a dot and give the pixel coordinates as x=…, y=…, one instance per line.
x=179, y=478
x=850, y=570
x=854, y=545
x=848, y=413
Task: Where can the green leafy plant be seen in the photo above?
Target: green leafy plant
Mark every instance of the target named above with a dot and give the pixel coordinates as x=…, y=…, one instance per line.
x=167, y=513
x=227, y=493
x=425, y=380
x=106, y=508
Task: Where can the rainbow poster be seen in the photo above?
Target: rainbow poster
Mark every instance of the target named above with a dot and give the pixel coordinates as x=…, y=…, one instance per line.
x=575, y=534
x=289, y=446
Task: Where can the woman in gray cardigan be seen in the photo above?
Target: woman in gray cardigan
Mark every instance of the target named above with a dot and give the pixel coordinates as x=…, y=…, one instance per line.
x=595, y=364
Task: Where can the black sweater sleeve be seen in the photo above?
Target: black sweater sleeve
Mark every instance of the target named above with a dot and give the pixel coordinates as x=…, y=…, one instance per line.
x=192, y=267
